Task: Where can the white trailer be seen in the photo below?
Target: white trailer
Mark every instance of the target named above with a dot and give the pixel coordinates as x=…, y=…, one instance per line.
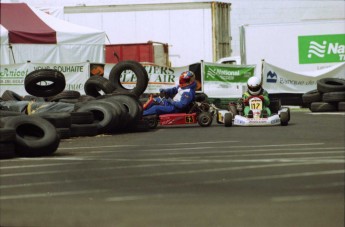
x=197, y=30
x=297, y=47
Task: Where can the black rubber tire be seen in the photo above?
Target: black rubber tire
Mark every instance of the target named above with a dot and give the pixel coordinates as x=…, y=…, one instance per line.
x=121, y=110
x=228, y=119
x=275, y=105
x=34, y=98
x=102, y=113
x=152, y=121
x=35, y=136
x=323, y=107
x=82, y=117
x=78, y=130
x=335, y=96
x=284, y=118
x=330, y=84
x=95, y=84
x=204, y=119
x=7, y=150
x=139, y=71
x=341, y=106
x=132, y=107
x=8, y=113
x=64, y=133
x=32, y=80
x=58, y=119
x=312, y=96
x=7, y=135
x=11, y=96
x=66, y=94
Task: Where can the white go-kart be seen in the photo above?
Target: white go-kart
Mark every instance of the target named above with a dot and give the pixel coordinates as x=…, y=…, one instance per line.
x=234, y=116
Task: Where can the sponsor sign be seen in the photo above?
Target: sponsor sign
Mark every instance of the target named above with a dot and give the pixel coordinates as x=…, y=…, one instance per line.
x=226, y=81
x=321, y=48
x=12, y=76
x=278, y=80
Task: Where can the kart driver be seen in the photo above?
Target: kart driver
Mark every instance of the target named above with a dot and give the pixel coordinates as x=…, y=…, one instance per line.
x=176, y=98
x=254, y=89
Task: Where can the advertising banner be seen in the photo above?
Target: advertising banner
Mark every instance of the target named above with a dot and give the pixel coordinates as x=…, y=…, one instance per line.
x=159, y=77
x=226, y=81
x=278, y=80
x=12, y=76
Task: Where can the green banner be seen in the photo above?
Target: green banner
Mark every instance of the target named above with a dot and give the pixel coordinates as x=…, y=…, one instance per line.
x=228, y=73
x=321, y=48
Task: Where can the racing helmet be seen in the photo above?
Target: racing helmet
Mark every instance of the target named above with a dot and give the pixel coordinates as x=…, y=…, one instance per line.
x=254, y=85
x=186, y=78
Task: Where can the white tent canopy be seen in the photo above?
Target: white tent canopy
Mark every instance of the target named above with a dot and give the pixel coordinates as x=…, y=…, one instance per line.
x=28, y=34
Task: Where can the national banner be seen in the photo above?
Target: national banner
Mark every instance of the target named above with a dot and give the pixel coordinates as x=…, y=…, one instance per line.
x=225, y=80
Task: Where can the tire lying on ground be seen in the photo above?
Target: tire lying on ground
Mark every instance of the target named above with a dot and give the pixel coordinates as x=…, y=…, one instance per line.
x=35, y=136
x=311, y=96
x=335, y=96
x=138, y=70
x=7, y=143
x=44, y=82
x=323, y=107
x=131, y=105
x=11, y=96
x=330, y=84
x=103, y=115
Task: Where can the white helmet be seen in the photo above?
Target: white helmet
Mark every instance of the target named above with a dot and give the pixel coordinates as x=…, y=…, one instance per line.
x=254, y=85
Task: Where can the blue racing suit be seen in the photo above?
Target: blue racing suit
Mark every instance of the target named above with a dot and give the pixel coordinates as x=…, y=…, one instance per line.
x=178, y=99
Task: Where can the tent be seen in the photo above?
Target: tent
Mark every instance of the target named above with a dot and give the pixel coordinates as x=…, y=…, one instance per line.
x=28, y=34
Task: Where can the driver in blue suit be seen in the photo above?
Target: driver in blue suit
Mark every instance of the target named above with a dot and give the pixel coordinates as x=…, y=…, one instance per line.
x=176, y=99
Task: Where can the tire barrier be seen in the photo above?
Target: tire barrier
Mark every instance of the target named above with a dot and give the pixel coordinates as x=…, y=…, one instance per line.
x=35, y=136
x=34, y=125
x=328, y=97
x=44, y=82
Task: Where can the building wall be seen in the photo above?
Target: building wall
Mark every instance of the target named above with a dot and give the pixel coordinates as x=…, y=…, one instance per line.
x=243, y=11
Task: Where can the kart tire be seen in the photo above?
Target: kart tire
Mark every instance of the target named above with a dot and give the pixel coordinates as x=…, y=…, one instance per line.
x=323, y=107
x=335, y=96
x=228, y=119
x=275, y=105
x=205, y=119
x=139, y=71
x=152, y=121
x=80, y=130
x=33, y=87
x=330, y=84
x=95, y=84
x=35, y=136
x=284, y=118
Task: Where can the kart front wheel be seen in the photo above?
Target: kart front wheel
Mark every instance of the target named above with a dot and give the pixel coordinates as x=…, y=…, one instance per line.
x=205, y=119
x=284, y=118
x=228, y=119
x=152, y=121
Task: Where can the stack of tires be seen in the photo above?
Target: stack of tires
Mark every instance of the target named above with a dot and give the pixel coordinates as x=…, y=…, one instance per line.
x=328, y=97
x=33, y=125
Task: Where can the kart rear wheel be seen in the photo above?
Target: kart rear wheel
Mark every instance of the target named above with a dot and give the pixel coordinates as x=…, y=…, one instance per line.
x=284, y=118
x=228, y=119
x=205, y=119
x=152, y=121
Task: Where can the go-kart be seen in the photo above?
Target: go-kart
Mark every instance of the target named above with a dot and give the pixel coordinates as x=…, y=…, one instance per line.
x=200, y=113
x=234, y=115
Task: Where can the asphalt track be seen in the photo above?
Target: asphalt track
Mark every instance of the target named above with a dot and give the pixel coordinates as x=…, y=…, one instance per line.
x=289, y=176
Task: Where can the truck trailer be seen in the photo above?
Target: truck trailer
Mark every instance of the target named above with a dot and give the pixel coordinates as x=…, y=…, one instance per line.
x=194, y=31
x=297, y=47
